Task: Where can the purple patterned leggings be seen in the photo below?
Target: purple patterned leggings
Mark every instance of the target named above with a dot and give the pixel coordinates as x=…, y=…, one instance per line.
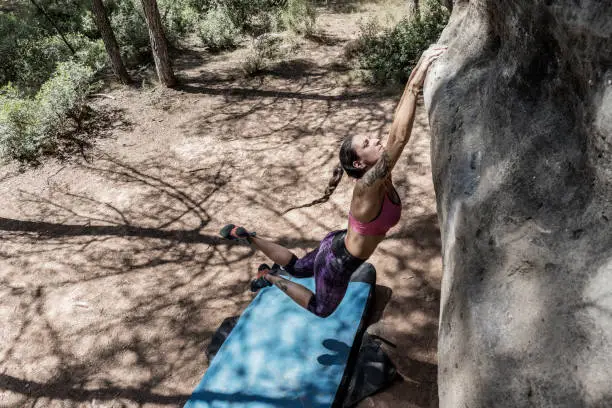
x=332, y=266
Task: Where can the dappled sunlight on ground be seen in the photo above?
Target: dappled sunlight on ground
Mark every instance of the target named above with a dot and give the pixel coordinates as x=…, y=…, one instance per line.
x=113, y=278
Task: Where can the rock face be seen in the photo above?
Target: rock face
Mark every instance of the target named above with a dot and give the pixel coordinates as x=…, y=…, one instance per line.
x=521, y=115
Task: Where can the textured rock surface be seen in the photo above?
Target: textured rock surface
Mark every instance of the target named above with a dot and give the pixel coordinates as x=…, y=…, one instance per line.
x=521, y=115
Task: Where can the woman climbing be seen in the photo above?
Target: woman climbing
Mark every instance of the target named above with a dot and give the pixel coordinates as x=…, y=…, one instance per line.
x=375, y=208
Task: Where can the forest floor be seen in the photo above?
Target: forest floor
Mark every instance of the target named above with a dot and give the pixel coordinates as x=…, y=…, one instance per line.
x=112, y=275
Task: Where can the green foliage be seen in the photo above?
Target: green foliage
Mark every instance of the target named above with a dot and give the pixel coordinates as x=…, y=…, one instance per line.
x=179, y=17
x=65, y=92
x=39, y=57
x=217, y=30
x=30, y=127
x=13, y=30
x=130, y=28
x=66, y=15
x=299, y=16
x=225, y=20
x=264, y=48
x=252, y=16
x=30, y=54
x=388, y=55
x=92, y=54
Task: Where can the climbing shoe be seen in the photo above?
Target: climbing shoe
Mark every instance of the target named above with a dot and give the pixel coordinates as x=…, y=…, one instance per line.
x=232, y=232
x=261, y=281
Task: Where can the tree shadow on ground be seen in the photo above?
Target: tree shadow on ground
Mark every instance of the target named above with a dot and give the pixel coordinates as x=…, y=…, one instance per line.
x=92, y=124
x=325, y=39
x=159, y=265
x=79, y=133
x=254, y=93
x=113, y=290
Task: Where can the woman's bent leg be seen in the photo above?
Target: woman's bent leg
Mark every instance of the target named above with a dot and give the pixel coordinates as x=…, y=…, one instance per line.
x=334, y=268
x=331, y=278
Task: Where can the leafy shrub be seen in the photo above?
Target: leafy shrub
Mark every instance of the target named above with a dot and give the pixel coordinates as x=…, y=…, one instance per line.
x=299, y=16
x=388, y=55
x=30, y=54
x=253, y=63
x=253, y=16
x=38, y=57
x=31, y=60
x=92, y=54
x=130, y=27
x=65, y=93
x=179, y=18
x=217, y=30
x=220, y=23
x=19, y=126
x=38, y=60
x=65, y=14
x=12, y=31
x=264, y=48
x=30, y=127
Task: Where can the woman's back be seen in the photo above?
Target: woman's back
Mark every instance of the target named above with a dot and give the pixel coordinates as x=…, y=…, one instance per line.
x=372, y=214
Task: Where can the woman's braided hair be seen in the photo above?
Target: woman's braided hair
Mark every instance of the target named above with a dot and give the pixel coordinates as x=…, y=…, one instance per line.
x=347, y=157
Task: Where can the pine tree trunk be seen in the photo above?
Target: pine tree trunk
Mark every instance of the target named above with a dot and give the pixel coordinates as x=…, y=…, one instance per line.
x=158, y=43
x=103, y=24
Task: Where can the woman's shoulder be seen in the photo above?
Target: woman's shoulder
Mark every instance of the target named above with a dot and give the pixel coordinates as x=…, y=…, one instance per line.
x=363, y=191
x=364, y=203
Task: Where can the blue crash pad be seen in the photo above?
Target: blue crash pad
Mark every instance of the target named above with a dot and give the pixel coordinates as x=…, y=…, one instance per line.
x=280, y=355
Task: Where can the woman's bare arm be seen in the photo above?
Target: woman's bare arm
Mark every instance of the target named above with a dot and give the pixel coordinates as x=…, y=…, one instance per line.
x=401, y=128
x=403, y=120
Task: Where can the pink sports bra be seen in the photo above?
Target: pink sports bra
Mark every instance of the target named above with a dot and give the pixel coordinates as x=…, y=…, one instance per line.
x=388, y=216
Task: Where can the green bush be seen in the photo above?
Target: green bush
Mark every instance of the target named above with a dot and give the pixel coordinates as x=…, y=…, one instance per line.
x=30, y=127
x=30, y=54
x=217, y=30
x=19, y=126
x=179, y=17
x=13, y=30
x=266, y=47
x=388, y=55
x=299, y=16
x=64, y=94
x=92, y=54
x=220, y=23
x=65, y=14
x=39, y=57
x=130, y=28
x=253, y=16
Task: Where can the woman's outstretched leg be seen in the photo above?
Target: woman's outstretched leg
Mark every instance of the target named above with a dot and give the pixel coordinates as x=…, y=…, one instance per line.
x=298, y=267
x=277, y=253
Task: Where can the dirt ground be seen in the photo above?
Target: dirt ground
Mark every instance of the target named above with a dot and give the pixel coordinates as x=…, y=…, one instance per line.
x=112, y=275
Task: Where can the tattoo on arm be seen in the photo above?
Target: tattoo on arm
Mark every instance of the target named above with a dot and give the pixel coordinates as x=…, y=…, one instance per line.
x=379, y=172
x=282, y=286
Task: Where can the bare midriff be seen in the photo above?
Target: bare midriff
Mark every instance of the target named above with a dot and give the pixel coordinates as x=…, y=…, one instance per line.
x=361, y=246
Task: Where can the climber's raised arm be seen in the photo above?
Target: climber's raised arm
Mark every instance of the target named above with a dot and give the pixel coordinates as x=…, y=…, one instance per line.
x=401, y=128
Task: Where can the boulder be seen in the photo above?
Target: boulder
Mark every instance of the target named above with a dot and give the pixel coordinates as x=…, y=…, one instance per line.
x=520, y=109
